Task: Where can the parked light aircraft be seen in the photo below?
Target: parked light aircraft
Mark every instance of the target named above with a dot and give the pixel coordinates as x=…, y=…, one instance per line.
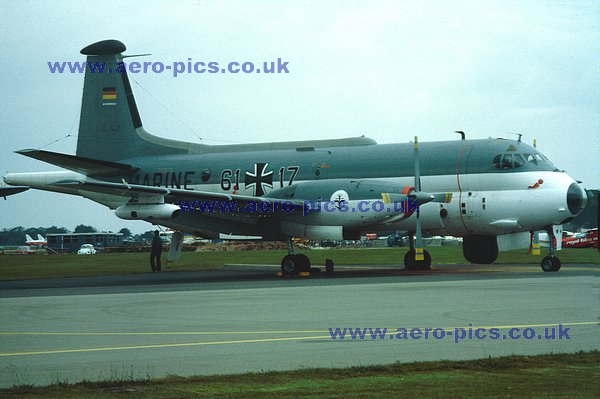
x=492, y=192
x=41, y=241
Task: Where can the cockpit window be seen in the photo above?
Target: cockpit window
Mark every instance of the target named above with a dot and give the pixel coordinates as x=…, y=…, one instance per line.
x=534, y=158
x=513, y=161
x=518, y=160
x=503, y=161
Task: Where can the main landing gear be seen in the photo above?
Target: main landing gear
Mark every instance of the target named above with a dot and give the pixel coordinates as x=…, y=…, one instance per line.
x=409, y=259
x=292, y=263
x=551, y=263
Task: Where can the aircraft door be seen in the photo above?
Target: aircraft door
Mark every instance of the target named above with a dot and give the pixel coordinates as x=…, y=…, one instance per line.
x=473, y=209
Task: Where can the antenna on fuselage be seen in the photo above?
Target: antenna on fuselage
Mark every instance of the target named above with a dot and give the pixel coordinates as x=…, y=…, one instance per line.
x=534, y=144
x=462, y=134
x=518, y=134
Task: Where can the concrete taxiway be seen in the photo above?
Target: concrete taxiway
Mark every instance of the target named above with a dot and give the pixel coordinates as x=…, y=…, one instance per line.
x=243, y=318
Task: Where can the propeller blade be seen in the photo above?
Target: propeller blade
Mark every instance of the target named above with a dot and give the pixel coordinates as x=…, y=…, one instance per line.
x=418, y=233
x=420, y=197
x=442, y=197
x=417, y=165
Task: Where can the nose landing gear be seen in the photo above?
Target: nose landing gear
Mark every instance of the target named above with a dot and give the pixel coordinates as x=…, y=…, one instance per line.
x=551, y=263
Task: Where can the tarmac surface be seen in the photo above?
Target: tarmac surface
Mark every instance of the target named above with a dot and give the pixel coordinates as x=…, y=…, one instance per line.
x=243, y=318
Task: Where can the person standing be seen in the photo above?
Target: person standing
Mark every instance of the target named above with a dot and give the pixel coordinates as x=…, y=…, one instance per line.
x=155, y=252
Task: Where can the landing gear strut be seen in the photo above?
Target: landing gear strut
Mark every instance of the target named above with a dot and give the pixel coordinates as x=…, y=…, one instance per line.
x=409, y=259
x=551, y=263
x=292, y=263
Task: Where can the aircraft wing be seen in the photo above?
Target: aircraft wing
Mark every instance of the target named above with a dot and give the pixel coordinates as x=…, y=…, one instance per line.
x=125, y=189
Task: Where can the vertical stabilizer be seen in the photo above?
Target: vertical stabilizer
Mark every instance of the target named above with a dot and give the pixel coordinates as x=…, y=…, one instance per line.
x=109, y=116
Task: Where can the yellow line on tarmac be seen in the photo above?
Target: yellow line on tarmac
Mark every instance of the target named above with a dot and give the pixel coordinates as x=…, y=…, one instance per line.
x=187, y=344
x=146, y=333
x=243, y=341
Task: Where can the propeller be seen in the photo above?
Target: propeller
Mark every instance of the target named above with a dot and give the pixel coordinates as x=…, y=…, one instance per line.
x=418, y=234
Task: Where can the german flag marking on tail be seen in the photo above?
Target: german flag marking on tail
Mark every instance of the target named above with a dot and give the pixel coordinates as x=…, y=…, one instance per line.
x=109, y=96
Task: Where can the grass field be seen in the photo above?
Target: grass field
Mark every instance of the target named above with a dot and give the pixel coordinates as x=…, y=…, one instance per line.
x=543, y=376
x=14, y=267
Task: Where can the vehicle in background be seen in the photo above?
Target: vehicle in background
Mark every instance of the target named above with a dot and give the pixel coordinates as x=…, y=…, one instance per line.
x=25, y=250
x=86, y=249
x=128, y=241
x=327, y=243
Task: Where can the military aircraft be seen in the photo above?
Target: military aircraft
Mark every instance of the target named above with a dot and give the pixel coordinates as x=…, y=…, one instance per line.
x=492, y=192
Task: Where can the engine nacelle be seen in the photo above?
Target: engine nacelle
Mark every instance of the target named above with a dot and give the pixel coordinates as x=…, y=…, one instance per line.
x=147, y=211
x=429, y=215
x=312, y=232
x=318, y=233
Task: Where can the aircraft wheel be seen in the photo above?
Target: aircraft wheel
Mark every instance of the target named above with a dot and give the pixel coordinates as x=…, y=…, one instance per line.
x=411, y=264
x=294, y=264
x=480, y=249
x=303, y=263
x=289, y=265
x=550, y=264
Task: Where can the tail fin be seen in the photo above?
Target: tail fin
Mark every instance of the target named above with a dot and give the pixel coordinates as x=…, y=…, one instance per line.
x=41, y=238
x=28, y=238
x=110, y=124
x=110, y=127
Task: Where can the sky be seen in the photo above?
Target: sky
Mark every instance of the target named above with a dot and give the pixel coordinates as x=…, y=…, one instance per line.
x=387, y=70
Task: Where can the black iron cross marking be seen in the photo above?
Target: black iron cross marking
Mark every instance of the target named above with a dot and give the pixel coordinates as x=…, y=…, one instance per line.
x=259, y=179
x=339, y=202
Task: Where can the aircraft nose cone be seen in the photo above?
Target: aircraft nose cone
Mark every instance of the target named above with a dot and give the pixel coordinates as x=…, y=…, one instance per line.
x=576, y=199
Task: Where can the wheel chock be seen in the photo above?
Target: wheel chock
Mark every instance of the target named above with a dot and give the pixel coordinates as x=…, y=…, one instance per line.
x=300, y=274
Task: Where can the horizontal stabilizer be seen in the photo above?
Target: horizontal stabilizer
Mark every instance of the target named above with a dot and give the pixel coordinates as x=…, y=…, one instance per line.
x=86, y=166
x=8, y=190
